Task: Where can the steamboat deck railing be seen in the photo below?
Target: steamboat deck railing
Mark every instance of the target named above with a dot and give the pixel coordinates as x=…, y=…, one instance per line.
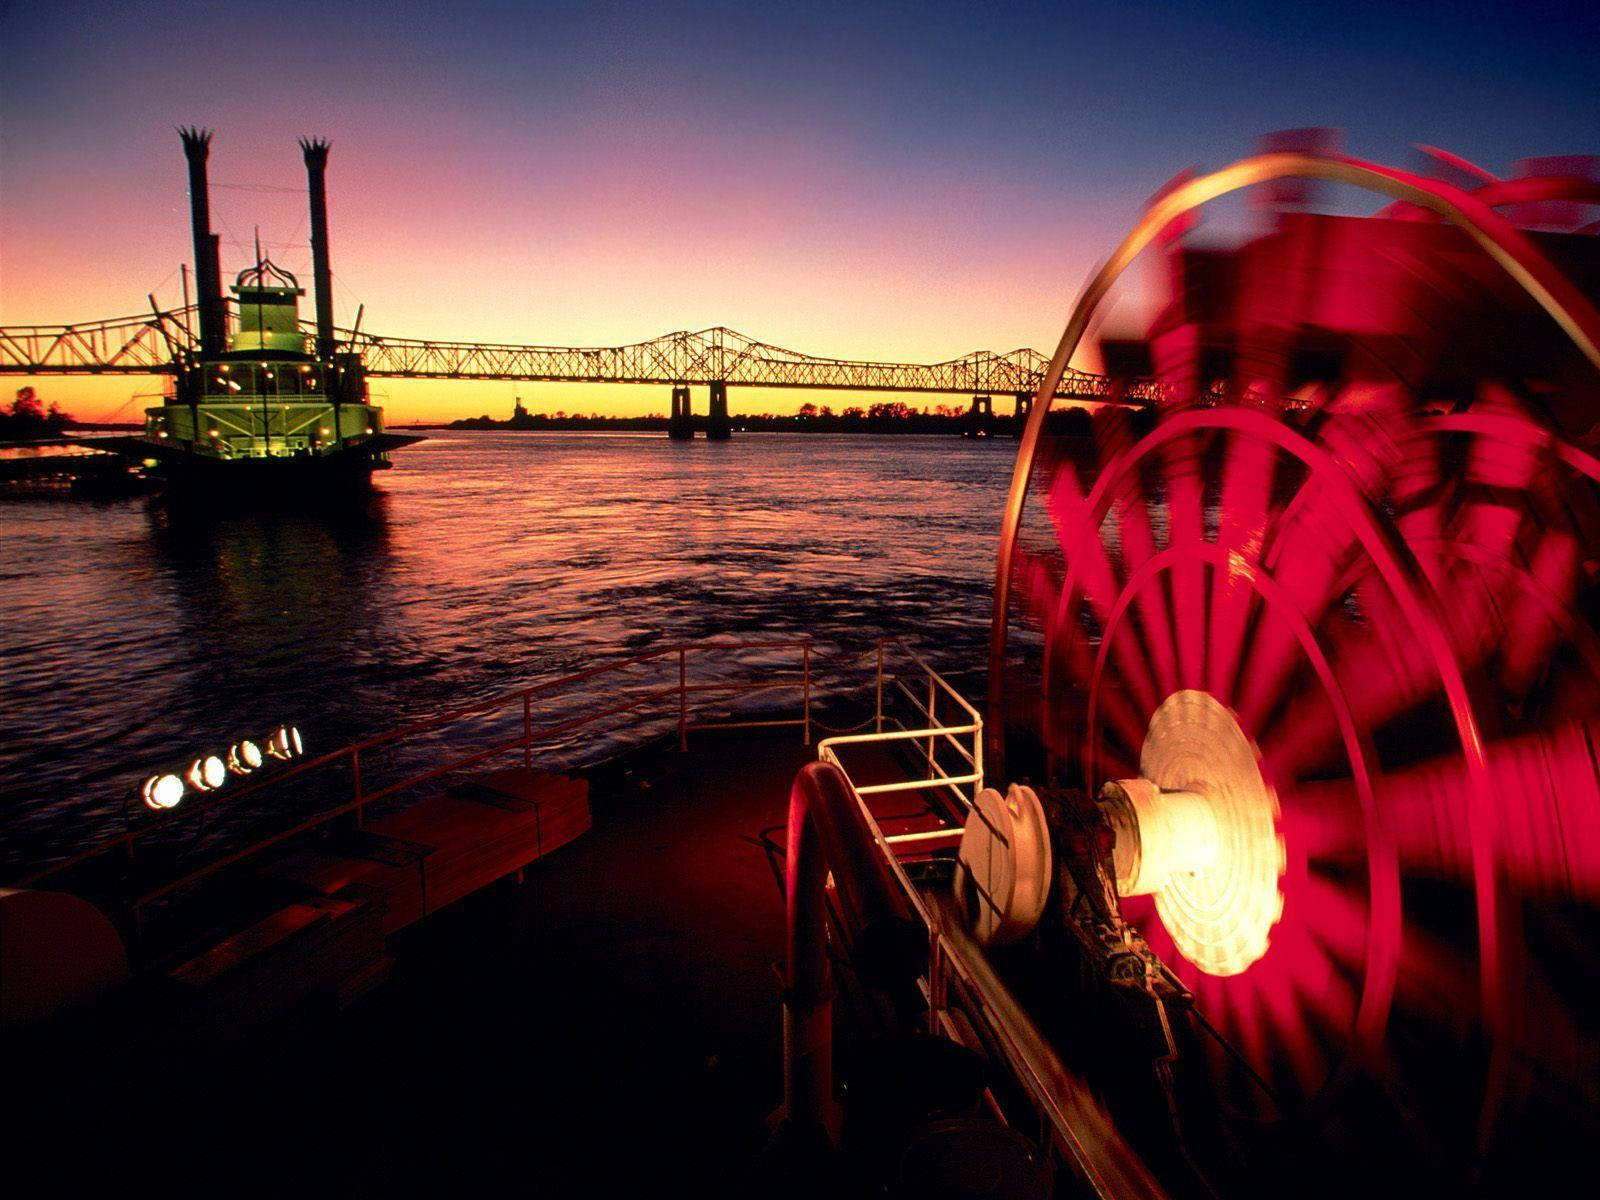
x=965, y=998
x=932, y=701
x=659, y=691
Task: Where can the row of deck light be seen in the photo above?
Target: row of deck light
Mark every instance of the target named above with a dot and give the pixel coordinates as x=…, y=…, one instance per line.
x=211, y=771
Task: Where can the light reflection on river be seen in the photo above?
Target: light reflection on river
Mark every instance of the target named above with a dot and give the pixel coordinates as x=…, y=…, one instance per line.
x=132, y=635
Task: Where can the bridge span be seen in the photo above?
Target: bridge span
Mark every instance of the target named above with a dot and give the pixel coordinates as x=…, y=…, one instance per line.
x=152, y=344
x=159, y=342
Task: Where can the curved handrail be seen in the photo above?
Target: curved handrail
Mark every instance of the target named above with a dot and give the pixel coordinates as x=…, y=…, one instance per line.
x=829, y=834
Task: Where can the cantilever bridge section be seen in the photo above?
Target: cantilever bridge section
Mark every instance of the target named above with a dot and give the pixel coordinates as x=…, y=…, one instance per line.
x=153, y=343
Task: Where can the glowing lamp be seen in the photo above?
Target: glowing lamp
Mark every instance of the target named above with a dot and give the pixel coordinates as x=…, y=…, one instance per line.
x=244, y=757
x=208, y=773
x=285, y=743
x=323, y=431
x=1198, y=832
x=213, y=433
x=162, y=792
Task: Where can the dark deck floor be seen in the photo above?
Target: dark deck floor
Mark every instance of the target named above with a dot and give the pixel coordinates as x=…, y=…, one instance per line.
x=610, y=1026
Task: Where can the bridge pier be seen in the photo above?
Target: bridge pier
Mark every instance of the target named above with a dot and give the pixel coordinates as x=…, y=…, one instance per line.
x=717, y=427
x=1019, y=414
x=980, y=418
x=680, y=423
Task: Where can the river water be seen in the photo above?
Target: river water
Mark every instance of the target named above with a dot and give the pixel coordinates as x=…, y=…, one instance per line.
x=134, y=637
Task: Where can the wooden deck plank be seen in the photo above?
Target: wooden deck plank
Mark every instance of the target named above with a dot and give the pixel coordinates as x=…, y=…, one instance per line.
x=445, y=847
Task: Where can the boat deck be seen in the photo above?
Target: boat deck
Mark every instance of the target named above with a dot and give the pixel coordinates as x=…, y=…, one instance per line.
x=611, y=1023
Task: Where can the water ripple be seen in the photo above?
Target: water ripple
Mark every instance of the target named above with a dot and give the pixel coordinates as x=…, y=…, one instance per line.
x=134, y=637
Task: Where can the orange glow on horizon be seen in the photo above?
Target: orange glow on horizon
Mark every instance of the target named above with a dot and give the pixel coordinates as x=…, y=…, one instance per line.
x=614, y=249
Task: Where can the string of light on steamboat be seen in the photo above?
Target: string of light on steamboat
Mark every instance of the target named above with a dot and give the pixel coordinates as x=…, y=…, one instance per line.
x=208, y=772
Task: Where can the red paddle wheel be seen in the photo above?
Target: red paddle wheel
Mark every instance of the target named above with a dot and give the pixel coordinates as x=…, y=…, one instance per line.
x=1314, y=619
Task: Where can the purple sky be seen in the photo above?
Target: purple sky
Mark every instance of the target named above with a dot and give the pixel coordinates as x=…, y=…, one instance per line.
x=908, y=181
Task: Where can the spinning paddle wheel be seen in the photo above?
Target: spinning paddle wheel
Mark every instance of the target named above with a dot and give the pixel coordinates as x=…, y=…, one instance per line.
x=1299, y=652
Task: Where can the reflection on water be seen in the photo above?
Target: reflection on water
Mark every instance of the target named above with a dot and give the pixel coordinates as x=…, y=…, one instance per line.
x=482, y=560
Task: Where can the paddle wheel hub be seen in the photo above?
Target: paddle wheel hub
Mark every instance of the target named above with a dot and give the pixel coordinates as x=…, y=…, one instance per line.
x=1198, y=832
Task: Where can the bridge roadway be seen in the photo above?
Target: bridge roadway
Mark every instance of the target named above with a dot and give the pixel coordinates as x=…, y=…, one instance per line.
x=153, y=344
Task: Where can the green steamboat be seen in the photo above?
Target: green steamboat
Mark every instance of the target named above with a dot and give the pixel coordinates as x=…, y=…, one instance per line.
x=255, y=400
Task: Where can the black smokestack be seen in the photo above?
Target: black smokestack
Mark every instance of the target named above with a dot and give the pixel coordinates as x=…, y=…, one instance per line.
x=316, y=152
x=207, y=259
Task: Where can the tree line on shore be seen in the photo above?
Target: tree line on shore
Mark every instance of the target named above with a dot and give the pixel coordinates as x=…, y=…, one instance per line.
x=28, y=419
x=889, y=416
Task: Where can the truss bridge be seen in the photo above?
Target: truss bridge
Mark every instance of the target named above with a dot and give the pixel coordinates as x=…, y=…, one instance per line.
x=157, y=342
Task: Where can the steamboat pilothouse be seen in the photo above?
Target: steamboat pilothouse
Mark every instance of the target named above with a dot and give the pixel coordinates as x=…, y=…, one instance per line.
x=265, y=405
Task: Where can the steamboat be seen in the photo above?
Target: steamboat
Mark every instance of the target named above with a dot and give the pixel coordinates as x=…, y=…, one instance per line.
x=256, y=405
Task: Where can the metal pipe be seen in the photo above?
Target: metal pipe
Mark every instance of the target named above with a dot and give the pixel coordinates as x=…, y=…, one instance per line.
x=683, y=699
x=183, y=274
x=806, y=697
x=219, y=302
x=527, y=730
x=877, y=726
x=316, y=154
x=1079, y=1124
x=207, y=262
x=828, y=830
x=355, y=782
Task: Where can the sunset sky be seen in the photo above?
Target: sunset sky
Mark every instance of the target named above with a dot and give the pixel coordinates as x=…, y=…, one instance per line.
x=886, y=181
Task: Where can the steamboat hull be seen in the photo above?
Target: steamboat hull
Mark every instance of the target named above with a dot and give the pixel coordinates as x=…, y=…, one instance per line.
x=188, y=474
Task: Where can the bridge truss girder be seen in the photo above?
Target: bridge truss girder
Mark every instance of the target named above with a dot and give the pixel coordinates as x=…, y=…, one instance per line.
x=148, y=345
x=137, y=345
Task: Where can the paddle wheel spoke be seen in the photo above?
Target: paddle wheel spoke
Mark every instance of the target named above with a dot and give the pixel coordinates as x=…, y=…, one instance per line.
x=1089, y=561
x=1246, y=486
x=1435, y=980
x=1536, y=614
x=1039, y=593
x=1155, y=619
x=1185, y=524
x=1384, y=670
x=1548, y=842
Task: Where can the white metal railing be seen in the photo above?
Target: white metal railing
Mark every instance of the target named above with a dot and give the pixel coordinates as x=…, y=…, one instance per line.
x=930, y=732
x=1056, y=1109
